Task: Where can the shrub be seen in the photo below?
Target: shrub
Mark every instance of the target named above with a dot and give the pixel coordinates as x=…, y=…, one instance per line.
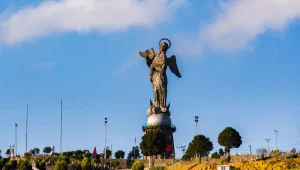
x=25, y=165
x=27, y=154
x=115, y=163
x=41, y=165
x=61, y=165
x=215, y=155
x=138, y=165
x=86, y=164
x=129, y=163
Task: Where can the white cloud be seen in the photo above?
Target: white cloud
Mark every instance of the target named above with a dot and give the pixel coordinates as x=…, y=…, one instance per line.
x=82, y=16
x=238, y=22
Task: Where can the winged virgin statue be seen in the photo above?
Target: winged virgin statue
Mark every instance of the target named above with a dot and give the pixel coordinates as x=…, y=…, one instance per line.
x=158, y=62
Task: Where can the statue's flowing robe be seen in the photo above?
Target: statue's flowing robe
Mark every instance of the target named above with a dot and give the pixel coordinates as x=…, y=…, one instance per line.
x=159, y=79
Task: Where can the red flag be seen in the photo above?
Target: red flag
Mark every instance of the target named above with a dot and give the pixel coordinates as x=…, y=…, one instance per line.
x=94, y=151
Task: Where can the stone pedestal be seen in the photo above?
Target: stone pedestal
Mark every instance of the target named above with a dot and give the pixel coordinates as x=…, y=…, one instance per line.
x=162, y=121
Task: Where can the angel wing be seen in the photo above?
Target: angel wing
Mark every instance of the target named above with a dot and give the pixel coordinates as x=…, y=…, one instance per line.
x=148, y=55
x=173, y=65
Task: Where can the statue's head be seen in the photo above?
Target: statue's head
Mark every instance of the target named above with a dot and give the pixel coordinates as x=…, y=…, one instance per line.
x=164, y=46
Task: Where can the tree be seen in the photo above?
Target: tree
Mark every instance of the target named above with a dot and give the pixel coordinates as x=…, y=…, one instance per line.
x=153, y=143
x=7, y=152
x=108, y=152
x=41, y=165
x=119, y=154
x=47, y=149
x=134, y=153
x=35, y=151
x=87, y=154
x=79, y=154
x=293, y=151
x=129, y=163
x=229, y=138
x=27, y=154
x=25, y=165
x=68, y=154
x=262, y=152
x=200, y=146
x=221, y=152
x=187, y=156
x=215, y=155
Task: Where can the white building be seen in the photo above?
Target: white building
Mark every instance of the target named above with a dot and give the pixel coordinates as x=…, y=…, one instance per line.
x=225, y=167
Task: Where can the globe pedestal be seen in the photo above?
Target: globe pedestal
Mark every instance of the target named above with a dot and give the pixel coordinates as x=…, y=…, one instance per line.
x=164, y=123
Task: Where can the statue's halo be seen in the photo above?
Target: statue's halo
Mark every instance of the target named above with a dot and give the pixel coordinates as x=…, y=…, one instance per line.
x=166, y=39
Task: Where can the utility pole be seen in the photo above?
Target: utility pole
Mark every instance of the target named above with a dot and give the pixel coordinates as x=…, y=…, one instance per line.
x=268, y=144
x=110, y=157
x=196, y=120
x=26, y=126
x=276, y=131
x=16, y=125
x=250, y=150
x=105, y=122
x=134, y=149
x=61, y=126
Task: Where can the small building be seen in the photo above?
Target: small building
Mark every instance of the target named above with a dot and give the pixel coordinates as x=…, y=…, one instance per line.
x=225, y=167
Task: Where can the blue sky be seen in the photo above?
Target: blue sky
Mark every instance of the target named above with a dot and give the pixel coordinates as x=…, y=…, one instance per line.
x=238, y=59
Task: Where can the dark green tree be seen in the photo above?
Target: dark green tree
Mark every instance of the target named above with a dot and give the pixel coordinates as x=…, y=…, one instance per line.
x=119, y=154
x=7, y=152
x=68, y=154
x=229, y=138
x=47, y=149
x=79, y=154
x=215, y=155
x=129, y=163
x=153, y=143
x=187, y=157
x=134, y=153
x=108, y=152
x=41, y=165
x=35, y=151
x=25, y=165
x=87, y=154
x=200, y=146
x=27, y=155
x=221, y=152
x=3, y=162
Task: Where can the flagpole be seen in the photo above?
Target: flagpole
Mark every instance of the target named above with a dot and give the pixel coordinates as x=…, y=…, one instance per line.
x=26, y=126
x=61, y=126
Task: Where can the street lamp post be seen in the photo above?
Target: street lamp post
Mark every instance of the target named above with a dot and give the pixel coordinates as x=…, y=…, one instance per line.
x=268, y=144
x=196, y=121
x=276, y=131
x=250, y=150
x=16, y=125
x=105, y=122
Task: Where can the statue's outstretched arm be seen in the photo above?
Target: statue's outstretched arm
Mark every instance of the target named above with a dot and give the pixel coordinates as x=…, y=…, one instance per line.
x=148, y=55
